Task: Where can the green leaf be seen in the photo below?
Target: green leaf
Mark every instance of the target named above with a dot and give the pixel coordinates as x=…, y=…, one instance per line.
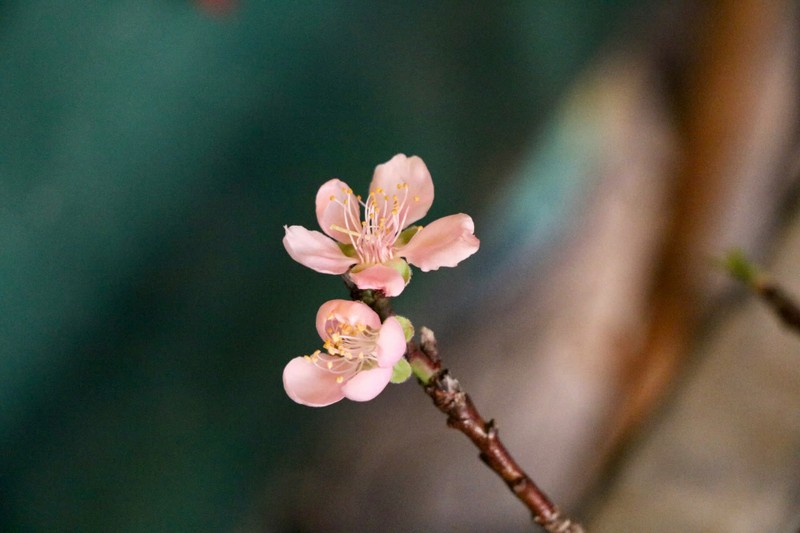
x=401, y=371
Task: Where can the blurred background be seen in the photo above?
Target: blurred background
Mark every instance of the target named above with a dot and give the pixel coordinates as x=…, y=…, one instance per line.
x=151, y=152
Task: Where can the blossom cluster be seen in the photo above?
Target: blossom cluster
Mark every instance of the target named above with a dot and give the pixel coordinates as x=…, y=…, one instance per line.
x=360, y=354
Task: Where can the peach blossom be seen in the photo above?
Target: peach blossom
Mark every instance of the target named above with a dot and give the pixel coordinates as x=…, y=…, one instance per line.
x=357, y=361
x=375, y=251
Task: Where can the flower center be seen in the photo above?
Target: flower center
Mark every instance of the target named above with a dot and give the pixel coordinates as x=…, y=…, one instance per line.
x=350, y=348
x=384, y=219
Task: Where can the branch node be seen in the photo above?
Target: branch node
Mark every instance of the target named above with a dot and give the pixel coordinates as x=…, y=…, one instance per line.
x=428, y=344
x=555, y=523
x=491, y=429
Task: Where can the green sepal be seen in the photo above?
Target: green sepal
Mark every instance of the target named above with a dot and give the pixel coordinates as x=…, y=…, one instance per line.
x=347, y=249
x=401, y=266
x=408, y=327
x=401, y=371
x=406, y=235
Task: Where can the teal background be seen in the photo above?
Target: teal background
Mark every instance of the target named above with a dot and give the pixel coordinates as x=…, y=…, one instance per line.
x=150, y=153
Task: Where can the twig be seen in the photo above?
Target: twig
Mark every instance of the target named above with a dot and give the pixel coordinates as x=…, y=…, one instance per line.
x=772, y=294
x=780, y=302
x=449, y=398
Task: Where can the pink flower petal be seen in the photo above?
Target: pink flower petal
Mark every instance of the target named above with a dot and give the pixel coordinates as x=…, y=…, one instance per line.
x=307, y=384
x=410, y=170
x=316, y=251
x=379, y=277
x=444, y=242
x=333, y=213
x=367, y=384
x=348, y=312
x=391, y=343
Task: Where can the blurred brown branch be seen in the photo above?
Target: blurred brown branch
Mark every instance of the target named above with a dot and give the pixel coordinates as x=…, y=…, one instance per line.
x=772, y=294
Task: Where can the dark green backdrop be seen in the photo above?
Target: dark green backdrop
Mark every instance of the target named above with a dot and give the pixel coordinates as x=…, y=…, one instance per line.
x=149, y=155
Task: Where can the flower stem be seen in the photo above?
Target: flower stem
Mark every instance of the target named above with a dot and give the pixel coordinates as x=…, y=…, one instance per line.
x=450, y=399
x=375, y=299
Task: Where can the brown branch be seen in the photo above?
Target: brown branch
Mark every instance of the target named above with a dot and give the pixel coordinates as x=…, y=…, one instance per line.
x=772, y=294
x=780, y=302
x=450, y=399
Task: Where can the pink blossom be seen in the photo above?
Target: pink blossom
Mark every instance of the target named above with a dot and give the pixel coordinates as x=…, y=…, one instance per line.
x=357, y=363
x=375, y=251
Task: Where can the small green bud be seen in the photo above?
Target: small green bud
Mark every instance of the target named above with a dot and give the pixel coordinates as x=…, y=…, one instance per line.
x=737, y=265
